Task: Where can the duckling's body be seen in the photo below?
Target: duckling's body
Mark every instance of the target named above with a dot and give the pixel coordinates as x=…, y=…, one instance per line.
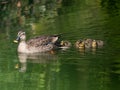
x=88, y=43
x=100, y=43
x=37, y=44
x=94, y=44
x=80, y=44
x=65, y=44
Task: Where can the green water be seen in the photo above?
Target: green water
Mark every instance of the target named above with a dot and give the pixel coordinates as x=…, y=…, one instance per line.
x=69, y=69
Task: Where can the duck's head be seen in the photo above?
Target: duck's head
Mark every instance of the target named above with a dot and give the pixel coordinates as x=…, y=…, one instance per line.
x=20, y=37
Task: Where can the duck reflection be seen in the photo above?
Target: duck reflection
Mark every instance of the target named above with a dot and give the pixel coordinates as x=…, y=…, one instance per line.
x=34, y=58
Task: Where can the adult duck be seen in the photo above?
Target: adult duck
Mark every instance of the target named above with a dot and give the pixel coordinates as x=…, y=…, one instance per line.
x=42, y=43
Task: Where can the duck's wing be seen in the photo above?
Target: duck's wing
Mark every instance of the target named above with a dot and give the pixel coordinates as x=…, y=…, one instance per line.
x=42, y=40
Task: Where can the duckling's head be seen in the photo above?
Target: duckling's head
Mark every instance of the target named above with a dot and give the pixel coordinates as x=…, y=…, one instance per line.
x=77, y=43
x=20, y=37
x=82, y=44
x=64, y=43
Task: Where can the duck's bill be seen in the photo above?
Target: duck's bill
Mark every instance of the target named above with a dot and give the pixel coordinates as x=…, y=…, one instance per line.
x=17, y=40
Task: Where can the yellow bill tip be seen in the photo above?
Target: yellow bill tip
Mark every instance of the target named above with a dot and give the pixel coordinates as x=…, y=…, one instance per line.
x=15, y=41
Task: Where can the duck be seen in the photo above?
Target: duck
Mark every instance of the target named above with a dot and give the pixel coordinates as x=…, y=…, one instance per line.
x=100, y=43
x=65, y=44
x=88, y=42
x=43, y=43
x=80, y=44
x=94, y=44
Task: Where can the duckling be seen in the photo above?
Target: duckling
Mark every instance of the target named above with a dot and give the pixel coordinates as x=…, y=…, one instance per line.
x=88, y=43
x=100, y=43
x=65, y=44
x=80, y=44
x=42, y=43
x=94, y=44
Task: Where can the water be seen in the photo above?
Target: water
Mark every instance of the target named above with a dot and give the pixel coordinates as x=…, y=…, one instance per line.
x=70, y=69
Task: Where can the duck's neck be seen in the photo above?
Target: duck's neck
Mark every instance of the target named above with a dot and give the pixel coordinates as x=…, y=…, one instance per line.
x=22, y=47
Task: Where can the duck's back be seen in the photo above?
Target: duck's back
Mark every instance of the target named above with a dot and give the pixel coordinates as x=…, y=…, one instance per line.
x=38, y=41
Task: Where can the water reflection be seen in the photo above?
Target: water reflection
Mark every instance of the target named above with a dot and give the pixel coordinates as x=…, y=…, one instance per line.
x=75, y=69
x=41, y=58
x=21, y=13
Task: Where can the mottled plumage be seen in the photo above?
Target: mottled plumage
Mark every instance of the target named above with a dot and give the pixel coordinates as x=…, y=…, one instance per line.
x=80, y=44
x=100, y=43
x=37, y=44
x=64, y=44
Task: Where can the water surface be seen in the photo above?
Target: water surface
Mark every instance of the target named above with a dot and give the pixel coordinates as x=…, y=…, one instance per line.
x=70, y=69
